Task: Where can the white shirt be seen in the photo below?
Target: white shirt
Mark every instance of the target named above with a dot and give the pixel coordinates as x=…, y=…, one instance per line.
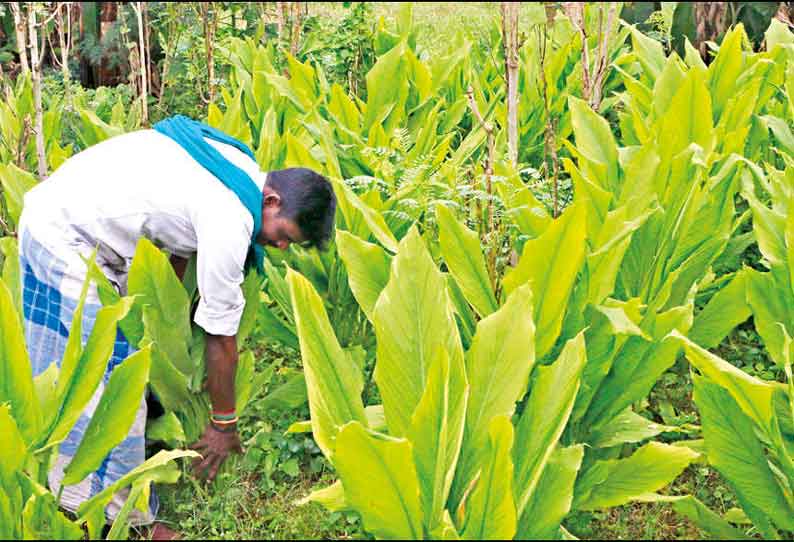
x=143, y=184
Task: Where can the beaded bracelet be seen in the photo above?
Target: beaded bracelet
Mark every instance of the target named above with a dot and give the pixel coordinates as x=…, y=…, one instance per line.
x=221, y=416
x=229, y=429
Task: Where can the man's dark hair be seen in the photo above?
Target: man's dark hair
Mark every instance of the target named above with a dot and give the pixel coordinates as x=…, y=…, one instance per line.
x=307, y=198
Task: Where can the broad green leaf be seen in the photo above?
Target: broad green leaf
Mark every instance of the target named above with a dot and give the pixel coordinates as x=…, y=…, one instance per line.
x=272, y=327
x=699, y=514
x=358, y=211
x=725, y=69
x=120, y=530
x=289, y=395
x=344, y=110
x=736, y=452
x=626, y=427
x=15, y=182
x=16, y=375
x=609, y=248
x=550, y=264
x=382, y=85
x=380, y=482
x=639, y=167
x=754, y=396
x=553, y=497
x=462, y=253
x=367, y=267
x=42, y=520
x=692, y=56
x=250, y=287
x=769, y=296
x=45, y=385
x=376, y=421
x=498, y=366
x=302, y=78
x=90, y=369
x=231, y=121
x=14, y=451
x=412, y=318
x=590, y=195
x=153, y=279
x=376, y=418
x=604, y=343
x=782, y=132
x=113, y=417
x=621, y=322
x=650, y=53
x=529, y=214
x=638, y=365
x=637, y=89
x=283, y=87
x=10, y=275
x=166, y=428
x=727, y=309
x=244, y=381
x=667, y=84
x=777, y=33
x=334, y=383
x=688, y=117
x=769, y=226
x=171, y=386
x=437, y=431
x=278, y=289
x=10, y=512
x=158, y=469
x=594, y=141
x=73, y=352
x=491, y=512
x=94, y=129
x=464, y=314
x=618, y=481
x=331, y=497
x=551, y=400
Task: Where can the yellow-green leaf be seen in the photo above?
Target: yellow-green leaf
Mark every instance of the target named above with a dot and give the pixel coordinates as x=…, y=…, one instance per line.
x=462, y=253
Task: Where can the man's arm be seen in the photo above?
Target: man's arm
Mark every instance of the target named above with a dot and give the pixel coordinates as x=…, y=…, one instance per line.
x=221, y=369
x=218, y=442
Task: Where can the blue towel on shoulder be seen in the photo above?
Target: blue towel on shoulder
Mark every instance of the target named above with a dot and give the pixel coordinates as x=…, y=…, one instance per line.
x=190, y=135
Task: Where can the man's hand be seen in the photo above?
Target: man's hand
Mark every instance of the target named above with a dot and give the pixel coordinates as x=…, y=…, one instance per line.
x=215, y=446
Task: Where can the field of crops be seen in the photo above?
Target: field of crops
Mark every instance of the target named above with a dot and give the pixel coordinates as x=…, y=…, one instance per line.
x=559, y=302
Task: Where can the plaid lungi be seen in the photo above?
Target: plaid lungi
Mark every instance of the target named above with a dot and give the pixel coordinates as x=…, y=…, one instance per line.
x=50, y=292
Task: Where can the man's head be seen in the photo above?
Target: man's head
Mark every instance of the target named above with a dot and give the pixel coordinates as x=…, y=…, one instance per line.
x=298, y=206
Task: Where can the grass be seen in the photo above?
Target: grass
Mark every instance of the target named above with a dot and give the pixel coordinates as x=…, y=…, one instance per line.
x=237, y=506
x=254, y=496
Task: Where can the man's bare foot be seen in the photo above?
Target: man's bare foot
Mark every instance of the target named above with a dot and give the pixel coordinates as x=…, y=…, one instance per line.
x=160, y=532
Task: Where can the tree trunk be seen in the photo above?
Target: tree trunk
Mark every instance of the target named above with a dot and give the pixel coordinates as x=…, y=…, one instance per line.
x=173, y=29
x=602, y=60
x=138, y=7
x=108, y=15
x=510, y=41
x=280, y=18
x=21, y=31
x=64, y=28
x=36, y=78
x=575, y=12
x=209, y=37
x=550, y=158
x=295, y=33
x=710, y=23
x=147, y=36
